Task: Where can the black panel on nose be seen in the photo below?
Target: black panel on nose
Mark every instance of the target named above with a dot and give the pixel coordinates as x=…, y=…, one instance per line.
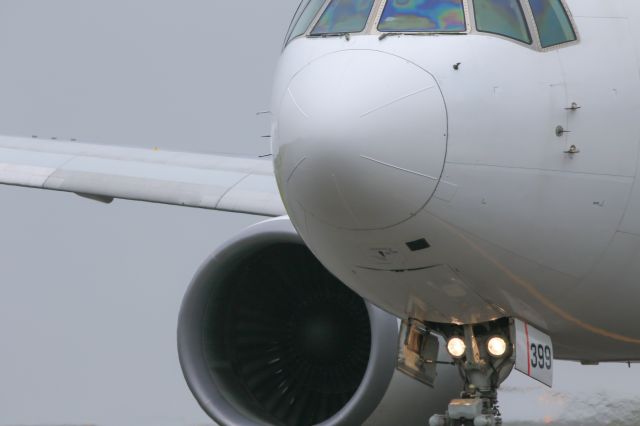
x=418, y=245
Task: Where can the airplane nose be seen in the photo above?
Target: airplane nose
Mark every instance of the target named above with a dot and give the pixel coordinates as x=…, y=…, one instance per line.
x=360, y=139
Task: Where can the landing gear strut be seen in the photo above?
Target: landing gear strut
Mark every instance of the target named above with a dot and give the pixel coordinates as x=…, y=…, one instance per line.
x=484, y=355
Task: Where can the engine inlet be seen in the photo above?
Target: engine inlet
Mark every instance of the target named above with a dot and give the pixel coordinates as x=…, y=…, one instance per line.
x=296, y=338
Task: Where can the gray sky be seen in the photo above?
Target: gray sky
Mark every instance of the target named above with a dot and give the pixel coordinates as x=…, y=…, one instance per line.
x=90, y=293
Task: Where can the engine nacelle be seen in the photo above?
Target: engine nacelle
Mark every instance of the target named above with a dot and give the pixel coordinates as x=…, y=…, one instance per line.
x=267, y=335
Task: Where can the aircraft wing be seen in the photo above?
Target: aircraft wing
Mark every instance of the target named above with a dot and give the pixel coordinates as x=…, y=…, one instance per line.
x=101, y=172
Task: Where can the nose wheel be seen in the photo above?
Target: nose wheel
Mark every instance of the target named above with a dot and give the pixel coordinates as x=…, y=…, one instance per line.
x=485, y=357
x=472, y=408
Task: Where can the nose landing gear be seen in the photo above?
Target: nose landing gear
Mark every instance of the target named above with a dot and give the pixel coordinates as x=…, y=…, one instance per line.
x=485, y=356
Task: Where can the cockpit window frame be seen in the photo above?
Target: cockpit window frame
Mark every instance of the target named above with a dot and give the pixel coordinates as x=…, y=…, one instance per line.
x=371, y=27
x=379, y=8
x=314, y=24
x=527, y=23
x=383, y=3
x=534, y=27
x=294, y=20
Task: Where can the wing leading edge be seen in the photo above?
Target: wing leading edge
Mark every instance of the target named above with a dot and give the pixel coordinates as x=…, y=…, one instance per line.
x=100, y=172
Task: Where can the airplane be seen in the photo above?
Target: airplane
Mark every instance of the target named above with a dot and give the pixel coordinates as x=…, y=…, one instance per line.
x=503, y=219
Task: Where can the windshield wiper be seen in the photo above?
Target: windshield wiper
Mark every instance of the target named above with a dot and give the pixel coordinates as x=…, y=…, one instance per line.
x=385, y=35
x=346, y=35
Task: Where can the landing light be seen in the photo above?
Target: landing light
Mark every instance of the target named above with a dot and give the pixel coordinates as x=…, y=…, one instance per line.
x=497, y=346
x=456, y=347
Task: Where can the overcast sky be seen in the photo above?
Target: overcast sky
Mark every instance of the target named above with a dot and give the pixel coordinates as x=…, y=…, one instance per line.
x=89, y=293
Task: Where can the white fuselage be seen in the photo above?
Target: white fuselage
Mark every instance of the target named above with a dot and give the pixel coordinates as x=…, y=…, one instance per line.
x=380, y=143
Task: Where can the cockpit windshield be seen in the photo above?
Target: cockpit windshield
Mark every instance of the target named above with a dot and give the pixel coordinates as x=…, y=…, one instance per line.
x=423, y=16
x=553, y=22
x=305, y=14
x=540, y=24
x=502, y=17
x=344, y=16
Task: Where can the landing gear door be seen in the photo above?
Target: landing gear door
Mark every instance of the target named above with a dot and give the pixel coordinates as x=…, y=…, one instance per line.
x=534, y=352
x=418, y=352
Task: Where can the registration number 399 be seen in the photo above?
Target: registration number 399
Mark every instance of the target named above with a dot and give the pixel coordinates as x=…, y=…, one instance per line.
x=534, y=352
x=541, y=356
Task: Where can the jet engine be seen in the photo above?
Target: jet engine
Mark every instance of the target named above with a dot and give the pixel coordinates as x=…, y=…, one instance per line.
x=267, y=335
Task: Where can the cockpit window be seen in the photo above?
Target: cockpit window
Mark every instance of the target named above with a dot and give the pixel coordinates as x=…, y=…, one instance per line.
x=514, y=19
x=305, y=14
x=553, y=22
x=344, y=16
x=503, y=17
x=423, y=16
